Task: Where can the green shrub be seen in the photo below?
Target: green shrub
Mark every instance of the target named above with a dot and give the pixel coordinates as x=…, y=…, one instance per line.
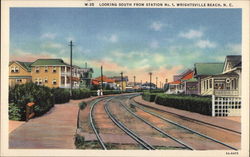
x=15, y=112
x=79, y=141
x=61, y=95
x=20, y=95
x=108, y=92
x=80, y=93
x=202, y=105
x=149, y=96
x=82, y=105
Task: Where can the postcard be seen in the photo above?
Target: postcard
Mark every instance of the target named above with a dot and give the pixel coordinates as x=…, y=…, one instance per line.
x=125, y=78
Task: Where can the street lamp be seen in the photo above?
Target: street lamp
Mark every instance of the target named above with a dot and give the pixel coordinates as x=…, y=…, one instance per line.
x=150, y=74
x=156, y=82
x=122, y=80
x=101, y=78
x=134, y=81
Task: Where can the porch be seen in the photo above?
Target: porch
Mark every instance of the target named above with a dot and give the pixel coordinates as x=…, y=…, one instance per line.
x=221, y=85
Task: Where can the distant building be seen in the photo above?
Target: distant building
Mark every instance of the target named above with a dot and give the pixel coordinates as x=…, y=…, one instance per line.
x=185, y=83
x=107, y=82
x=147, y=86
x=85, y=77
x=122, y=84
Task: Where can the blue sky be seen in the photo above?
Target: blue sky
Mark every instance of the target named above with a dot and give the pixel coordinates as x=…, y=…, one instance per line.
x=165, y=41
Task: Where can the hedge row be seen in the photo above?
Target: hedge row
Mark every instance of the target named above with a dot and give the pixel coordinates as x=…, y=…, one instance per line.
x=20, y=95
x=149, y=96
x=198, y=104
x=80, y=93
x=189, y=103
x=61, y=95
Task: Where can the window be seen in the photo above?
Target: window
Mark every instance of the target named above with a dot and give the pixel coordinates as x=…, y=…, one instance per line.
x=37, y=69
x=54, y=82
x=46, y=69
x=17, y=69
x=19, y=80
x=54, y=70
x=46, y=80
x=210, y=83
x=12, y=69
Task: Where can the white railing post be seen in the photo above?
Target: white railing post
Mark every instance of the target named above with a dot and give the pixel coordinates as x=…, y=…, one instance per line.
x=213, y=105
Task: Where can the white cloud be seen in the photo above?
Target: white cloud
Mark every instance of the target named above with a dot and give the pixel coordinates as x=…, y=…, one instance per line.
x=113, y=38
x=191, y=34
x=154, y=44
x=235, y=48
x=157, y=26
x=48, y=36
x=52, y=45
x=205, y=44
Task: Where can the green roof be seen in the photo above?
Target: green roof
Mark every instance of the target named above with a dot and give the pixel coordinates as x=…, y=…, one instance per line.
x=208, y=68
x=43, y=62
x=26, y=65
x=191, y=80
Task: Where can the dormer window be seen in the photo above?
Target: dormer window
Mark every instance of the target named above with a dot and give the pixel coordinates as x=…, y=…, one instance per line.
x=37, y=69
x=12, y=69
x=17, y=69
x=45, y=69
x=54, y=70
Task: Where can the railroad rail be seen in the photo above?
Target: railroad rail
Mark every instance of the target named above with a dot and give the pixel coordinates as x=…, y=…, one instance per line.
x=91, y=120
x=129, y=132
x=156, y=128
x=183, y=127
x=196, y=120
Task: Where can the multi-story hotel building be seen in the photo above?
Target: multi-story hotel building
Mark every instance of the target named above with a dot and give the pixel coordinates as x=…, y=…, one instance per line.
x=49, y=72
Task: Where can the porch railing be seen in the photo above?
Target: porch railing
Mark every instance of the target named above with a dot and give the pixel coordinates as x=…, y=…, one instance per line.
x=226, y=92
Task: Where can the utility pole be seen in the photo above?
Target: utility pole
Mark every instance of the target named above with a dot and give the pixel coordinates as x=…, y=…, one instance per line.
x=150, y=74
x=101, y=79
x=134, y=80
x=122, y=80
x=71, y=46
x=156, y=82
x=141, y=85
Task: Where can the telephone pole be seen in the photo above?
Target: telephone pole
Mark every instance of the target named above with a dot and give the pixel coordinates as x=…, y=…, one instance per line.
x=150, y=74
x=122, y=80
x=71, y=46
x=101, y=79
x=134, y=80
x=156, y=82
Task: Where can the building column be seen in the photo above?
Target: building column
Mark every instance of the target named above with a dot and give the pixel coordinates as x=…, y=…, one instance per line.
x=65, y=80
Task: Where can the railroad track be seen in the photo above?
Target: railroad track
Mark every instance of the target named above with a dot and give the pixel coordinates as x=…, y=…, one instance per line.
x=191, y=119
x=92, y=123
x=156, y=128
x=129, y=132
x=178, y=125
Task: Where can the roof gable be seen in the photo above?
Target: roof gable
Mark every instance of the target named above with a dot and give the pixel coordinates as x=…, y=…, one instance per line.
x=231, y=62
x=25, y=65
x=208, y=68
